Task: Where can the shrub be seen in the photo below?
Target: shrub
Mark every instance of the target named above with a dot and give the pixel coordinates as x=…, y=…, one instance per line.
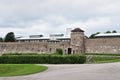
x=59, y=51
x=42, y=59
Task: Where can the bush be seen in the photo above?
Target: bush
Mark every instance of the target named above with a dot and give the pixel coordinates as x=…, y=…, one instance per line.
x=59, y=51
x=42, y=59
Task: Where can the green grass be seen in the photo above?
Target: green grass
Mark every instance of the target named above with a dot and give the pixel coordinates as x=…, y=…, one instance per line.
x=108, y=61
x=19, y=69
x=104, y=59
x=104, y=54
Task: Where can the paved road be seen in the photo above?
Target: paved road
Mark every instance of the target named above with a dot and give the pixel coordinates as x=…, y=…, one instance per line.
x=107, y=71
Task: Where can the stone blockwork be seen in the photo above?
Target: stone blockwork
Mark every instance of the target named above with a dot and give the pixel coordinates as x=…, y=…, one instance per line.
x=77, y=43
x=102, y=45
x=37, y=47
x=98, y=45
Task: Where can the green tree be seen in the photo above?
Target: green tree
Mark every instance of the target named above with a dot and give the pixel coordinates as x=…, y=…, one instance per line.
x=114, y=31
x=1, y=39
x=59, y=51
x=108, y=32
x=10, y=37
x=93, y=35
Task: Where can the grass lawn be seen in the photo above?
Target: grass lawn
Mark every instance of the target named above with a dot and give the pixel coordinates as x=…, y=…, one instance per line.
x=104, y=58
x=19, y=69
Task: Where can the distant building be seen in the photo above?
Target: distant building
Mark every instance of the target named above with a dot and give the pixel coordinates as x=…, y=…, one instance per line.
x=108, y=35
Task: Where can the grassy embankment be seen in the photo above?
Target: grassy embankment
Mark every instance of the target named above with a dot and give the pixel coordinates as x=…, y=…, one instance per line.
x=103, y=58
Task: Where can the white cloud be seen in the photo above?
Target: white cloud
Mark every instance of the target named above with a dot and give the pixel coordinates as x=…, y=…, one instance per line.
x=52, y=16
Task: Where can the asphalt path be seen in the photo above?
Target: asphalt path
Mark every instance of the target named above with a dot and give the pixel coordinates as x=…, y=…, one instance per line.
x=106, y=71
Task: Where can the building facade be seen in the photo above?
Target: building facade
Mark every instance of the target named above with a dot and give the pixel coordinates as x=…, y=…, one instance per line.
x=76, y=43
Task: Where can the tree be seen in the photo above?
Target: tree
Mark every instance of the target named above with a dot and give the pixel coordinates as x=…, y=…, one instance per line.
x=93, y=35
x=114, y=31
x=1, y=39
x=10, y=37
x=59, y=51
x=108, y=32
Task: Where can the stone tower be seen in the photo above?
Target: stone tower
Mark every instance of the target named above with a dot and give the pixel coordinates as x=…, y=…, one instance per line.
x=77, y=41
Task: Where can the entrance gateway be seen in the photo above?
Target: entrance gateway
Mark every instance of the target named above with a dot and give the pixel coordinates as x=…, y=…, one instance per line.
x=69, y=50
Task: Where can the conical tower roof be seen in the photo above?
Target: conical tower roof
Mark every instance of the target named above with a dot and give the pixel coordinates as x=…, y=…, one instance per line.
x=77, y=30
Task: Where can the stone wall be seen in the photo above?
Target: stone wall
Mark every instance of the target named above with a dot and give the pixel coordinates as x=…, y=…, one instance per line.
x=33, y=47
x=102, y=45
x=98, y=45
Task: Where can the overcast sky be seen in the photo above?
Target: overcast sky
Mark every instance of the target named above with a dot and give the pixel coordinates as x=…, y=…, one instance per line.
x=26, y=17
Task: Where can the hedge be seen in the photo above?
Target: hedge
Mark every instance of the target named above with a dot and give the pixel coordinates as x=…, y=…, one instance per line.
x=42, y=59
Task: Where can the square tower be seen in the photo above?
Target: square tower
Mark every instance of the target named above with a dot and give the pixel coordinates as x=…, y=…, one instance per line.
x=77, y=41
